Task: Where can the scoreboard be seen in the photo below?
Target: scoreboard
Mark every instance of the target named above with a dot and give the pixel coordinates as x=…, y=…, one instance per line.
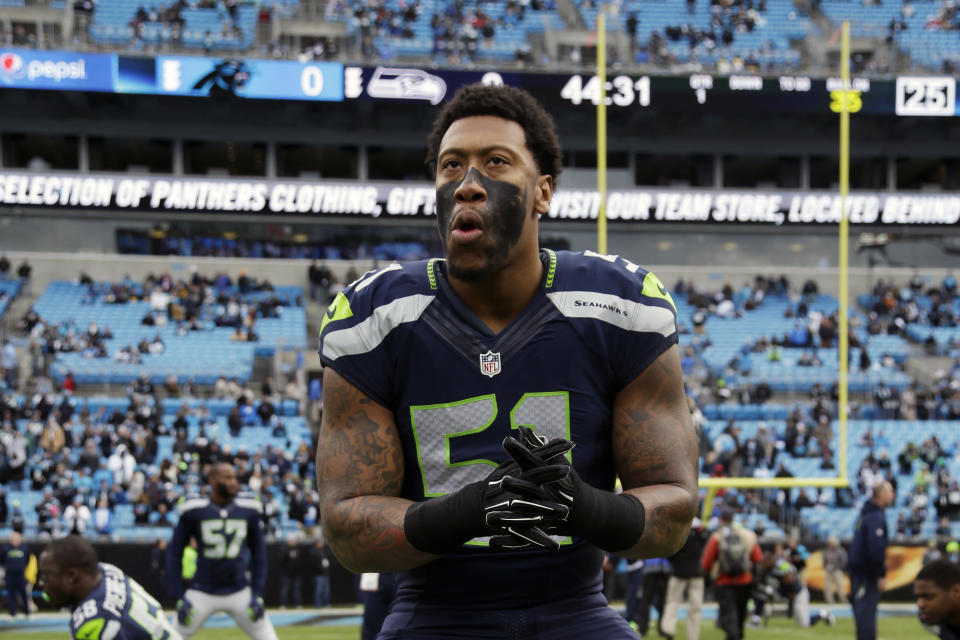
x=738, y=93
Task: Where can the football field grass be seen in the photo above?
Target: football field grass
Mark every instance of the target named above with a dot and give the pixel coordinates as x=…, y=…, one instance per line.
x=890, y=628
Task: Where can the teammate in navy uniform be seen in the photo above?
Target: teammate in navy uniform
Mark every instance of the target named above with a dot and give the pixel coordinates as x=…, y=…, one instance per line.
x=937, y=590
x=105, y=603
x=229, y=532
x=16, y=556
x=433, y=371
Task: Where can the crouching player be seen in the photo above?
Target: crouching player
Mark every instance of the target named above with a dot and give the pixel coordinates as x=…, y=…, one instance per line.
x=106, y=604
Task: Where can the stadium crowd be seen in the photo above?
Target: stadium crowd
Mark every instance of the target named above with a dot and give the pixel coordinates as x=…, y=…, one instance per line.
x=87, y=464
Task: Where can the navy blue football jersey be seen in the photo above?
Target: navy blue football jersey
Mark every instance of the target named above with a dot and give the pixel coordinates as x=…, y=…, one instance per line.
x=456, y=389
x=230, y=538
x=119, y=609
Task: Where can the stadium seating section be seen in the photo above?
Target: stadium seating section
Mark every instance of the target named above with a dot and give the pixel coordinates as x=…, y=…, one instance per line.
x=720, y=350
x=927, y=30
x=8, y=291
x=253, y=438
x=112, y=26
x=767, y=43
x=202, y=356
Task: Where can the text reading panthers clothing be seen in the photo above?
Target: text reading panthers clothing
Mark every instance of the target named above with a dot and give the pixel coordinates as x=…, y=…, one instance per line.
x=119, y=609
x=403, y=337
x=230, y=538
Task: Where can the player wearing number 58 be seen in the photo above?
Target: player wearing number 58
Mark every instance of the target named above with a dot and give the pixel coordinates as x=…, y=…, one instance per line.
x=224, y=524
x=104, y=602
x=478, y=409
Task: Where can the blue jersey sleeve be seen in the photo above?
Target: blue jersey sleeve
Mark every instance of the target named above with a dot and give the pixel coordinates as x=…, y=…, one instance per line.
x=362, y=323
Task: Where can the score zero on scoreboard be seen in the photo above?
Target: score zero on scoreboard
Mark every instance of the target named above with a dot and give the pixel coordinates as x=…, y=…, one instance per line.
x=926, y=96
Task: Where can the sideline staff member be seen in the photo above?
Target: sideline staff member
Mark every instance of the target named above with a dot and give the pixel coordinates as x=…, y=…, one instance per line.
x=868, y=568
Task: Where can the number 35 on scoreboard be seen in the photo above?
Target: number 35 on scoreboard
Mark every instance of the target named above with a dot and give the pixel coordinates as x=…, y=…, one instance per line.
x=926, y=96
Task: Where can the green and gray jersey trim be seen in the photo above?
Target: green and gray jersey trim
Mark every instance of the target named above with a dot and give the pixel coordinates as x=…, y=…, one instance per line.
x=366, y=336
x=625, y=314
x=249, y=503
x=192, y=503
x=551, y=269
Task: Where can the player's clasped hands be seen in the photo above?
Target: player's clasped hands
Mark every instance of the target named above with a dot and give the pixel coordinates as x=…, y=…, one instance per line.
x=529, y=496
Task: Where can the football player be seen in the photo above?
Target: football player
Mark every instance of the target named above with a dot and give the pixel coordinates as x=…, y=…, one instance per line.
x=937, y=590
x=224, y=526
x=434, y=369
x=105, y=603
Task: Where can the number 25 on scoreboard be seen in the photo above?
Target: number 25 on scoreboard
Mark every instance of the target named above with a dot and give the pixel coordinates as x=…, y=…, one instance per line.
x=926, y=96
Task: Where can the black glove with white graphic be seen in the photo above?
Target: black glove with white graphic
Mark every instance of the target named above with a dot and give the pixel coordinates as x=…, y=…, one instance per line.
x=612, y=522
x=488, y=507
x=531, y=494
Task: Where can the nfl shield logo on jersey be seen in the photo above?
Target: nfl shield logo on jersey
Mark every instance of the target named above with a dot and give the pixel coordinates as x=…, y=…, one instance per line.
x=490, y=363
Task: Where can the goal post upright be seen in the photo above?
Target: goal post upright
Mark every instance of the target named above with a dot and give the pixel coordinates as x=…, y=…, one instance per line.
x=712, y=484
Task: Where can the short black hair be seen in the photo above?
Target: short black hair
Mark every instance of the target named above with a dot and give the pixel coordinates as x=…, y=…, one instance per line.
x=942, y=573
x=508, y=103
x=73, y=552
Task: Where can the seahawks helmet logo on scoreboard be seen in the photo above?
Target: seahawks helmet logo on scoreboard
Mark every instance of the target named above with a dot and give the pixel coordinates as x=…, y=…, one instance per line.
x=490, y=363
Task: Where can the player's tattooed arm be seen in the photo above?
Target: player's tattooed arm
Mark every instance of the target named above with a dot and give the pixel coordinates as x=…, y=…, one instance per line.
x=359, y=478
x=655, y=449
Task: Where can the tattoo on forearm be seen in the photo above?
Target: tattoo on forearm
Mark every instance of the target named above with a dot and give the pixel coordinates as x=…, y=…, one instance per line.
x=359, y=478
x=656, y=454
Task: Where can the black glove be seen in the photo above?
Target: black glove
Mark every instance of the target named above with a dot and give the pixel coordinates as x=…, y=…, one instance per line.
x=442, y=525
x=613, y=522
x=531, y=489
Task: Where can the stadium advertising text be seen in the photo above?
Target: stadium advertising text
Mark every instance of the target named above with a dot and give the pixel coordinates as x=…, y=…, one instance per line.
x=116, y=192
x=62, y=70
x=331, y=81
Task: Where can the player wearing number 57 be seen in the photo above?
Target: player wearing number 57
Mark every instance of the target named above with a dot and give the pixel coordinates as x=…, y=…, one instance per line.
x=478, y=409
x=224, y=524
x=103, y=601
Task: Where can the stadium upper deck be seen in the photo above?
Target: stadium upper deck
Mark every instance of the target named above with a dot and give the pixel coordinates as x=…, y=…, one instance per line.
x=729, y=36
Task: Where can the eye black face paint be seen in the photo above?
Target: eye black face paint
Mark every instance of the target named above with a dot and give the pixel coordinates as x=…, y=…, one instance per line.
x=503, y=215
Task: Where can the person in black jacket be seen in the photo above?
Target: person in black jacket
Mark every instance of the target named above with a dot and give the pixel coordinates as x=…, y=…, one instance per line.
x=937, y=589
x=320, y=566
x=687, y=578
x=290, y=573
x=867, y=561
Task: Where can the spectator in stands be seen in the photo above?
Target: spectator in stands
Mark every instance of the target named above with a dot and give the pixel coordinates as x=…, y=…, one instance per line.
x=103, y=518
x=24, y=271
x=77, y=517
x=319, y=277
x=162, y=516
x=9, y=364
x=15, y=447
x=4, y=266
x=266, y=411
x=122, y=464
x=53, y=439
